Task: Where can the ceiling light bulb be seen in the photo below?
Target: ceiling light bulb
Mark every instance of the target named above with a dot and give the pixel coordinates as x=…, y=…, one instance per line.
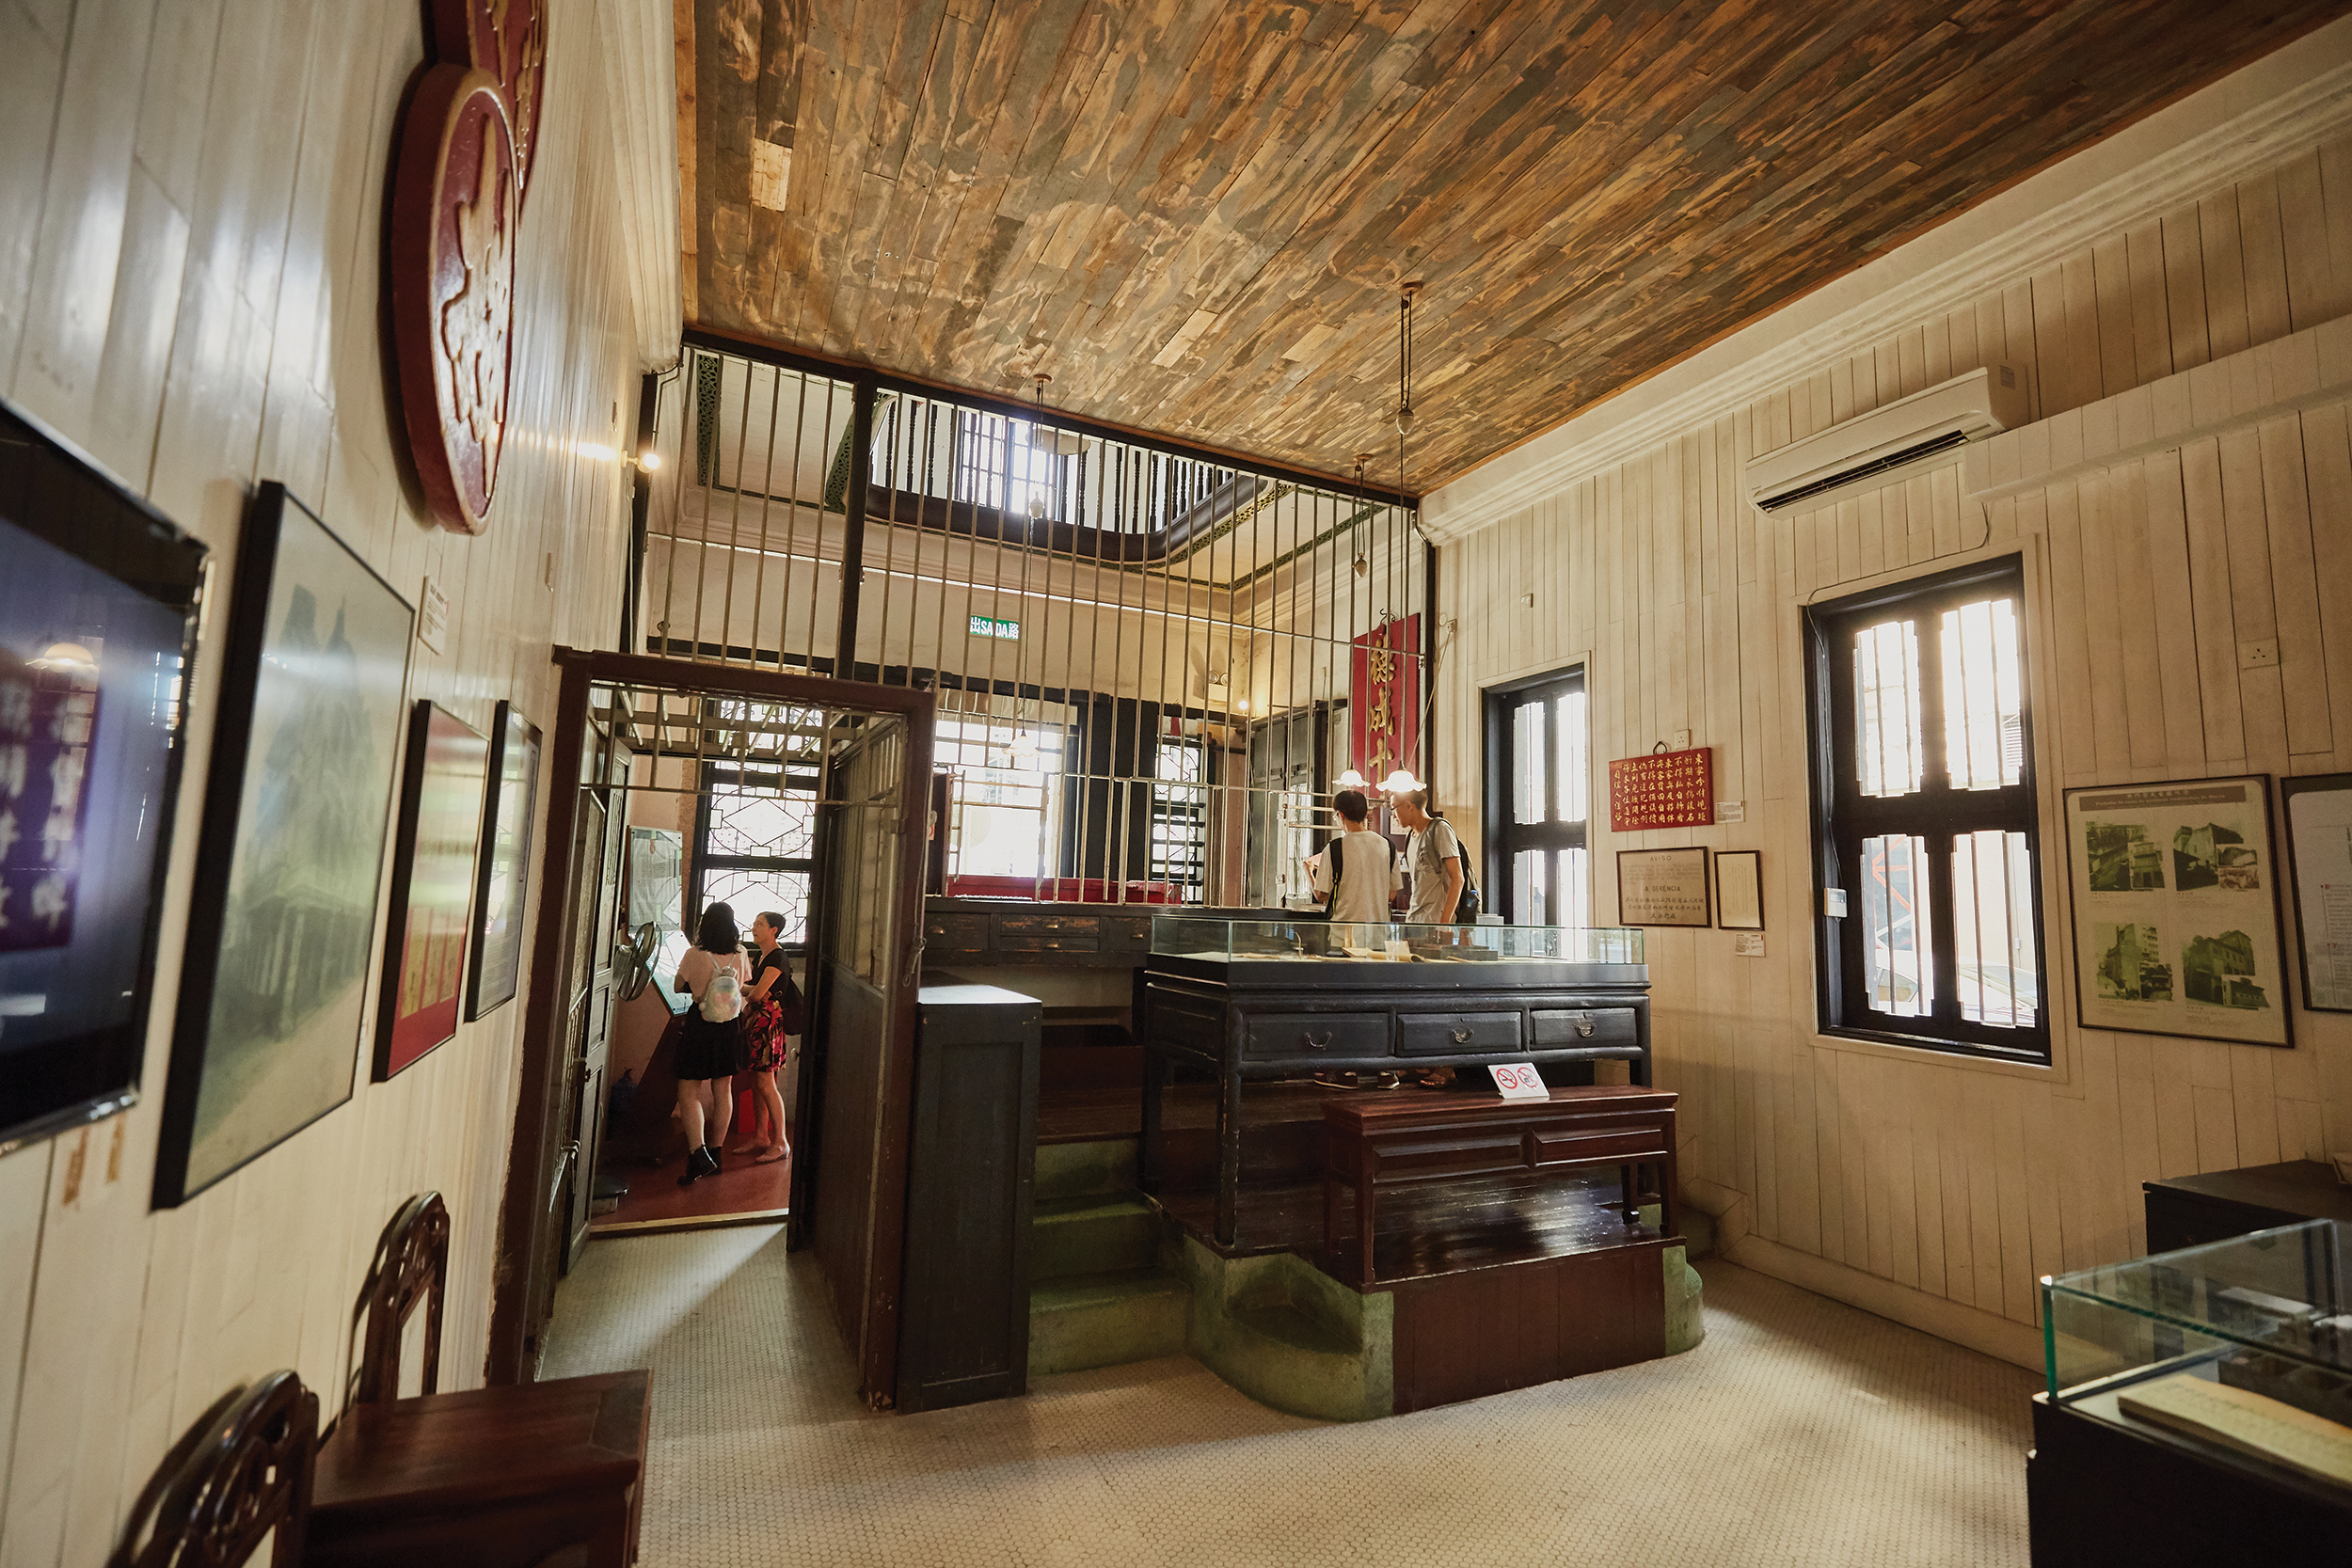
x=1036, y=506
x=1351, y=780
x=1399, y=781
x=1404, y=419
x=1363, y=567
x=649, y=461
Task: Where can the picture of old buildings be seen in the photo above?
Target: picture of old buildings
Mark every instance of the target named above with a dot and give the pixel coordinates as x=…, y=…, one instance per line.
x=2213, y=856
x=2221, y=971
x=2122, y=858
x=2131, y=964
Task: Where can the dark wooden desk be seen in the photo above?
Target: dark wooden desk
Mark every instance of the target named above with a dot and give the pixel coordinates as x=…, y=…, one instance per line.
x=404, y=1481
x=1395, y=1138
x=2190, y=1211
x=1281, y=1015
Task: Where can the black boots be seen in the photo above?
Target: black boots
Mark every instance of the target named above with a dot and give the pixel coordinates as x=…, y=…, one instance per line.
x=701, y=1162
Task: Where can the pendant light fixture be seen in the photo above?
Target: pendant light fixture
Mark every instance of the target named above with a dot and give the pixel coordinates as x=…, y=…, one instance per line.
x=1363, y=563
x=1040, y=440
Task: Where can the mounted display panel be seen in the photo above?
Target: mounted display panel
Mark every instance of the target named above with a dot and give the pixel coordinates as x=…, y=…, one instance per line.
x=433, y=877
x=98, y=599
x=305, y=746
x=503, y=881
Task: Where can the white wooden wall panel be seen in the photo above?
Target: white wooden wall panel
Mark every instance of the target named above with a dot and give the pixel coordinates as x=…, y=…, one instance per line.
x=190, y=200
x=1939, y=1187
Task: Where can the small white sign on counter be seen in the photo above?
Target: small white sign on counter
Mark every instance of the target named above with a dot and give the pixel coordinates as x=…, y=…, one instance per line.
x=433, y=616
x=1520, y=1081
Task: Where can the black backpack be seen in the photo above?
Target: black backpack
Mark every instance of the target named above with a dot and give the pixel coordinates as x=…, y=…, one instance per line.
x=1466, y=907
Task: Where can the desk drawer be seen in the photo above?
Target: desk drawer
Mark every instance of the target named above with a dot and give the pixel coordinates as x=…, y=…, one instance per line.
x=1313, y=1035
x=1039, y=924
x=1048, y=941
x=1462, y=1154
x=1127, y=933
x=1593, y=1145
x=1456, y=1034
x=1583, y=1026
x=956, y=933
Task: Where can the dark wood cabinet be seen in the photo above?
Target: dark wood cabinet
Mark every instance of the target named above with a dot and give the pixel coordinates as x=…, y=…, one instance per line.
x=964, y=1329
x=2190, y=1211
x=1267, y=1017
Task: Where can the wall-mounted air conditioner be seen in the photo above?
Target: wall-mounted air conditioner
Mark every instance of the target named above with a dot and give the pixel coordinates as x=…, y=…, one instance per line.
x=1887, y=443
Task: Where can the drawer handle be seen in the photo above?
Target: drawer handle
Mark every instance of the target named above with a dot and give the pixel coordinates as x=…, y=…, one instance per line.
x=1460, y=1036
x=1584, y=1024
x=1313, y=1043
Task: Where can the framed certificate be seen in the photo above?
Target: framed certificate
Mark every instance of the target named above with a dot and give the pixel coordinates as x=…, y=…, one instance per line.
x=2176, y=910
x=1662, y=887
x=2319, y=848
x=1740, y=889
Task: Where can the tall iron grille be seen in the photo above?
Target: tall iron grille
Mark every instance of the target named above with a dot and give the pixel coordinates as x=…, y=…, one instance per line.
x=1151, y=666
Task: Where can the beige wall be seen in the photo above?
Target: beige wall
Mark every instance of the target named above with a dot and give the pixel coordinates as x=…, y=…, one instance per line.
x=190, y=196
x=2189, y=430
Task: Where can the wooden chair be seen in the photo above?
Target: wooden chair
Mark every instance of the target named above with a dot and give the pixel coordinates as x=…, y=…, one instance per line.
x=488, y=1478
x=241, y=1473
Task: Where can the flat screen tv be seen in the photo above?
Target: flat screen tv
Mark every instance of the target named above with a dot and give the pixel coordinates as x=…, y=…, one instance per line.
x=98, y=596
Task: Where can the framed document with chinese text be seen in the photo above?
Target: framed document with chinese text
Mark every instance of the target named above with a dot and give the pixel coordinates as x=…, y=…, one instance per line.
x=1740, y=889
x=1662, y=887
x=2319, y=848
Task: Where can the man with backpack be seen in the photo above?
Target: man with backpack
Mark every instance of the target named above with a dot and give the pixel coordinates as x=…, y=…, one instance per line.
x=1442, y=893
x=1355, y=874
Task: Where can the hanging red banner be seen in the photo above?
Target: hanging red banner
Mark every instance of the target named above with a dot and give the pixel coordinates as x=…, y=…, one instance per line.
x=1665, y=789
x=1384, y=699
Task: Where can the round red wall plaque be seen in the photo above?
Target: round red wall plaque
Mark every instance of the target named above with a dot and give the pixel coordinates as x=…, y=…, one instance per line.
x=455, y=198
x=509, y=40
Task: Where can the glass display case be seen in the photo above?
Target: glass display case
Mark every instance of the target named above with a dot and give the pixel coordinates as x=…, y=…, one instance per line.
x=2245, y=1343
x=1235, y=941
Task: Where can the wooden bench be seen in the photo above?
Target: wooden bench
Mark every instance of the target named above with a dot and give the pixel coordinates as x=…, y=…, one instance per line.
x=1394, y=1139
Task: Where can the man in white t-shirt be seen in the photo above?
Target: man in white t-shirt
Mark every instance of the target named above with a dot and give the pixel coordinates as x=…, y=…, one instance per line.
x=1434, y=856
x=1361, y=863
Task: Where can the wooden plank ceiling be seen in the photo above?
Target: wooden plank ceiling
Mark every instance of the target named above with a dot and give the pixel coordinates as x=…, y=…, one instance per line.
x=1195, y=213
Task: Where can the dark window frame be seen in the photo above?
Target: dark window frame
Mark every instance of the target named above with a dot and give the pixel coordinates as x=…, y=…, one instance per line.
x=1843, y=817
x=1505, y=837
x=759, y=781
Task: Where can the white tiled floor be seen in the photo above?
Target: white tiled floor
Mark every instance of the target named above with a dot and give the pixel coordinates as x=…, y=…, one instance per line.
x=1802, y=1433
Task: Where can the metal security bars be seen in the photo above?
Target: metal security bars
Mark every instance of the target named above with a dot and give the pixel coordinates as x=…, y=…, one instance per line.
x=1148, y=662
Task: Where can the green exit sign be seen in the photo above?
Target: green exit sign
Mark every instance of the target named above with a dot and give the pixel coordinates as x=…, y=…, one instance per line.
x=984, y=625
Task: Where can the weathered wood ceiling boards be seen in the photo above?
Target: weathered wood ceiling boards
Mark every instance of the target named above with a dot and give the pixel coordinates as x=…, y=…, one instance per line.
x=1196, y=215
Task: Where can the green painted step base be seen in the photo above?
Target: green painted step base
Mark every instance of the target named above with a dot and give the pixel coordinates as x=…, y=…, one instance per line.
x=1096, y=1168
x=1290, y=1336
x=1092, y=1235
x=1105, y=1319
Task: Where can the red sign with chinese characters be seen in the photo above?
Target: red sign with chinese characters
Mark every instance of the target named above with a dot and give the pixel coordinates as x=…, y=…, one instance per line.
x=1384, y=706
x=1665, y=789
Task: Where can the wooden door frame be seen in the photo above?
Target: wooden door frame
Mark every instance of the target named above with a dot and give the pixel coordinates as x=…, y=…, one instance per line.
x=523, y=1241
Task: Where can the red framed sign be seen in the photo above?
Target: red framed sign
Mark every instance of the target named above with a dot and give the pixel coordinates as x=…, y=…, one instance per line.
x=1665, y=789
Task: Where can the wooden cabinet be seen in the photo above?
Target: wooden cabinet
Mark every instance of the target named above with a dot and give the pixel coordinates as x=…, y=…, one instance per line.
x=964, y=1329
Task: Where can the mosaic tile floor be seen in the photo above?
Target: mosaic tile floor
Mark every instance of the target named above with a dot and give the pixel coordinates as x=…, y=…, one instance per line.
x=1801, y=1433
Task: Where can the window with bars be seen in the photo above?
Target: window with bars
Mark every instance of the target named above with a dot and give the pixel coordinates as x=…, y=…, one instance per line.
x=1538, y=800
x=1925, y=815
x=756, y=844
x=1180, y=827
x=1008, y=781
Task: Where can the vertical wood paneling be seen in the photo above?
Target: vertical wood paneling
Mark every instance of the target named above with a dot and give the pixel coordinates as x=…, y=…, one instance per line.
x=190, y=275
x=1936, y=1173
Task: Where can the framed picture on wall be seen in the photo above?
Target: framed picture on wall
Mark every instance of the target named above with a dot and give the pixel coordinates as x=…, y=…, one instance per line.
x=98, y=608
x=439, y=827
x=503, y=877
x=1662, y=887
x=2319, y=848
x=1740, y=889
x=2176, y=910
x=306, y=750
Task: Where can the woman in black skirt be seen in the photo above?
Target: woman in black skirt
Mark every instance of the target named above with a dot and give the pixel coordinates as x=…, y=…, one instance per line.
x=713, y=973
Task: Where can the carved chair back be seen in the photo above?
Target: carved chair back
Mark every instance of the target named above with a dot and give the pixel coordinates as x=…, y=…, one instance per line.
x=410, y=1261
x=240, y=1473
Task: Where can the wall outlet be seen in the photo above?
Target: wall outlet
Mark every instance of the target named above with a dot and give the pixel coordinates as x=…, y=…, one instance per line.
x=2258, y=655
x=1679, y=741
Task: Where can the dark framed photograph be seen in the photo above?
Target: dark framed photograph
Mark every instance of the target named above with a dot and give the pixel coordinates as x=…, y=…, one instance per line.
x=503, y=879
x=434, y=840
x=2319, y=810
x=306, y=750
x=98, y=609
x=1740, y=889
x=1662, y=887
x=2176, y=910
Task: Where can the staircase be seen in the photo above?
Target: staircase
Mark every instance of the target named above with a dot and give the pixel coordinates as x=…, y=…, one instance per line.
x=1099, y=1292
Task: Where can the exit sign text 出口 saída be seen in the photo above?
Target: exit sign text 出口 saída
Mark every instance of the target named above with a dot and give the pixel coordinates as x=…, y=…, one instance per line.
x=984, y=626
